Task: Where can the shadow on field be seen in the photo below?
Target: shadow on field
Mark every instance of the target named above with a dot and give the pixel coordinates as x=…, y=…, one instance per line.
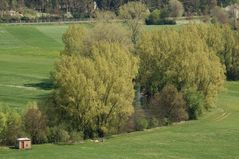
x=12, y=147
x=44, y=85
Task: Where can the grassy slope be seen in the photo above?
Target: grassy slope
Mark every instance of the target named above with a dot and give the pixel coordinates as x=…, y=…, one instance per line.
x=27, y=54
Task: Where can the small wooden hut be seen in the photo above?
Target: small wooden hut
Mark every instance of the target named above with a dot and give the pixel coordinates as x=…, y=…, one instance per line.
x=24, y=143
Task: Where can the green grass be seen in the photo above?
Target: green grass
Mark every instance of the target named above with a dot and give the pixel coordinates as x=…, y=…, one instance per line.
x=27, y=55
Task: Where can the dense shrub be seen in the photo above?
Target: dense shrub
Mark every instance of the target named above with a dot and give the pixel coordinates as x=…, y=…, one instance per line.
x=75, y=136
x=35, y=124
x=169, y=104
x=10, y=127
x=153, y=18
x=167, y=22
x=162, y=22
x=25, y=19
x=141, y=124
x=195, y=102
x=165, y=12
x=176, y=8
x=58, y=134
x=153, y=122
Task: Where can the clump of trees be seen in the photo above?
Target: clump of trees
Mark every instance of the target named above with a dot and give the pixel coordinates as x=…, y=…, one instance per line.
x=180, y=58
x=223, y=41
x=10, y=126
x=180, y=75
x=156, y=18
x=228, y=15
x=33, y=123
x=95, y=92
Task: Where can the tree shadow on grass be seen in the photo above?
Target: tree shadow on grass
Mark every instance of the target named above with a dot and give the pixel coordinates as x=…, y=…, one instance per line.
x=44, y=85
x=12, y=147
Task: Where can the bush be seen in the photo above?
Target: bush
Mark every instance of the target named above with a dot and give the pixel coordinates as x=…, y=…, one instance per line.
x=153, y=18
x=176, y=8
x=35, y=124
x=160, y=22
x=169, y=105
x=105, y=16
x=75, y=136
x=167, y=22
x=165, y=12
x=141, y=124
x=153, y=122
x=57, y=135
x=13, y=129
x=26, y=19
x=195, y=102
x=219, y=15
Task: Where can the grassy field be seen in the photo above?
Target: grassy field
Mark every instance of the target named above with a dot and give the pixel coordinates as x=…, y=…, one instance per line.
x=27, y=55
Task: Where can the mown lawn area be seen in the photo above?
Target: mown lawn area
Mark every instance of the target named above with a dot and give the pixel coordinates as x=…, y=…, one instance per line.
x=27, y=56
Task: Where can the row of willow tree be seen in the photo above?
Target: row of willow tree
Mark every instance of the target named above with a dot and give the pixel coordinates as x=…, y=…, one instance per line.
x=179, y=72
x=84, y=8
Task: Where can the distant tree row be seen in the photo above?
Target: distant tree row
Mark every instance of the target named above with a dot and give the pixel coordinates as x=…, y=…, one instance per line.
x=85, y=8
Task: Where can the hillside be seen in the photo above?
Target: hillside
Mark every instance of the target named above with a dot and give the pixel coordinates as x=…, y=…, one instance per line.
x=27, y=55
x=213, y=136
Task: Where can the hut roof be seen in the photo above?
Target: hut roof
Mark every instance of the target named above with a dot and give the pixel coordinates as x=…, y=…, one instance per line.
x=23, y=139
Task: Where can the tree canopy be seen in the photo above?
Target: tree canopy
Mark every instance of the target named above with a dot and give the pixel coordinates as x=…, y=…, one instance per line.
x=181, y=58
x=94, y=90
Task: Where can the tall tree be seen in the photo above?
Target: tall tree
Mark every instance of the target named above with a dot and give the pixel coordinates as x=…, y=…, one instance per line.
x=94, y=90
x=134, y=13
x=176, y=8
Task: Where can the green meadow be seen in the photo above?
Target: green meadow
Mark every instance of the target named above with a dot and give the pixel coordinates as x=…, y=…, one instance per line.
x=27, y=56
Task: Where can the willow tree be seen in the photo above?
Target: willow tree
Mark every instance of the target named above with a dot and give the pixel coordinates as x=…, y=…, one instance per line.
x=181, y=58
x=223, y=41
x=134, y=13
x=94, y=90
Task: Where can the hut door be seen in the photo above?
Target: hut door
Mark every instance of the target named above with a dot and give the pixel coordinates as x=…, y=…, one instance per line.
x=22, y=144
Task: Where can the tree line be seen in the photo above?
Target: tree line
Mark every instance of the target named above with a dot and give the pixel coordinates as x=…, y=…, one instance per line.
x=85, y=8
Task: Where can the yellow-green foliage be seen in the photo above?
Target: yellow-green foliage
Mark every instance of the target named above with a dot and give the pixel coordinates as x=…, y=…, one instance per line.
x=95, y=88
x=73, y=39
x=78, y=40
x=182, y=58
x=223, y=41
x=134, y=13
